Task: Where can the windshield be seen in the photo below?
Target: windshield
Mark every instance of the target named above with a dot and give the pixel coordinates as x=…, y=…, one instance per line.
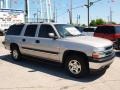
x=67, y=30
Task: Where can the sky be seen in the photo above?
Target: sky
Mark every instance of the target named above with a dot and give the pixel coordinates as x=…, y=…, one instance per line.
x=100, y=9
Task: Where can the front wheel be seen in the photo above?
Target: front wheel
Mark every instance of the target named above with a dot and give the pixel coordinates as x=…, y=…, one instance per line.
x=76, y=66
x=15, y=53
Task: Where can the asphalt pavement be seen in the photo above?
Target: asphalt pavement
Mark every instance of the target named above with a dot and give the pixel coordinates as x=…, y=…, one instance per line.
x=32, y=75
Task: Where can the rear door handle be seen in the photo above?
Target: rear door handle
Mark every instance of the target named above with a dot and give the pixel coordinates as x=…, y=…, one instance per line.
x=23, y=40
x=37, y=41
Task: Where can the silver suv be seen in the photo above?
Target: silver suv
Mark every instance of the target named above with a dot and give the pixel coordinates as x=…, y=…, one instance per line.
x=61, y=43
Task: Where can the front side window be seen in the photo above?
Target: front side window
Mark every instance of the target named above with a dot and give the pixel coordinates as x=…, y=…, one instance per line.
x=100, y=29
x=30, y=30
x=67, y=30
x=45, y=30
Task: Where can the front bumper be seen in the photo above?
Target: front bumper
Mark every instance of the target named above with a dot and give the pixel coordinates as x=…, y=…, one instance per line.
x=98, y=64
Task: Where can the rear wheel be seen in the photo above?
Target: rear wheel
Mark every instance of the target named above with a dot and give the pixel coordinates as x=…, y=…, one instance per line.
x=76, y=66
x=15, y=53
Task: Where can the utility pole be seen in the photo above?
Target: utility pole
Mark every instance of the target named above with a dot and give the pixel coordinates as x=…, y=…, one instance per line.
x=26, y=11
x=88, y=6
x=70, y=12
x=34, y=17
x=54, y=13
x=111, y=15
x=77, y=19
x=37, y=15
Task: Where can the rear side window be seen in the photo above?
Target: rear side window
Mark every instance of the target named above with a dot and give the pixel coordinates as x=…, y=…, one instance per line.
x=109, y=30
x=30, y=30
x=105, y=30
x=117, y=29
x=15, y=30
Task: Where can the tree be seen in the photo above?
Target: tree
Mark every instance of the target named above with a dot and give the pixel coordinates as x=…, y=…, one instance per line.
x=93, y=23
x=100, y=21
x=97, y=22
x=83, y=25
x=114, y=23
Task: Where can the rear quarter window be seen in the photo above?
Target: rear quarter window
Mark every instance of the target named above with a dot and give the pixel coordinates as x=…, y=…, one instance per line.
x=14, y=30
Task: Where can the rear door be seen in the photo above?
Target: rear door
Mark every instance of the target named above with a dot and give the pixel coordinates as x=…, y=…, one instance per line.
x=109, y=32
x=28, y=39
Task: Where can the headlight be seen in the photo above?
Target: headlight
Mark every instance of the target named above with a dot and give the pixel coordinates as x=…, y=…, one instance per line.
x=99, y=53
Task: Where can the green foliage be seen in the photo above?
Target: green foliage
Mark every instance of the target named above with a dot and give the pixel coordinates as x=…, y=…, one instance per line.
x=97, y=22
x=93, y=23
x=114, y=23
x=83, y=25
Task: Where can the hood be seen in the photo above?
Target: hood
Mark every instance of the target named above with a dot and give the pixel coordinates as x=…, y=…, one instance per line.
x=89, y=40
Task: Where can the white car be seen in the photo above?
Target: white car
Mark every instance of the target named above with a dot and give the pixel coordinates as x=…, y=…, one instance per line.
x=61, y=43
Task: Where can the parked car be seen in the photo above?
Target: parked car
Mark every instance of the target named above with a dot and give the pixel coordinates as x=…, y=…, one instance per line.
x=89, y=31
x=111, y=32
x=60, y=43
x=79, y=28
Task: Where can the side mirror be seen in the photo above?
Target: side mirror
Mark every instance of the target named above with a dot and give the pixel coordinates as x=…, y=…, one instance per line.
x=52, y=35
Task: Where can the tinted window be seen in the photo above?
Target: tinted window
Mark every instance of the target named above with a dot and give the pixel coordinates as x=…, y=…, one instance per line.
x=30, y=30
x=80, y=28
x=45, y=30
x=15, y=30
x=105, y=29
x=117, y=29
x=89, y=30
x=99, y=30
x=109, y=30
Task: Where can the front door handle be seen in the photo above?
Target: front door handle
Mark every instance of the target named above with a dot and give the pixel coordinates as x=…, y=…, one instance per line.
x=37, y=41
x=23, y=40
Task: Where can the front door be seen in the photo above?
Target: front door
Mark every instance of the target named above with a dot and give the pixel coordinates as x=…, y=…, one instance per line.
x=47, y=47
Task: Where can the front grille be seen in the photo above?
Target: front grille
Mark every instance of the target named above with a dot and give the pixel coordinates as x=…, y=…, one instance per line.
x=109, y=50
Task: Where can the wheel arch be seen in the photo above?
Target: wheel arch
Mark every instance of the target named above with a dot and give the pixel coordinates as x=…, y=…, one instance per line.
x=73, y=52
x=12, y=45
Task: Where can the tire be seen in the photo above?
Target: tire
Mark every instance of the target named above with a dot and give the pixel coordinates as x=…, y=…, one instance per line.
x=15, y=53
x=1, y=33
x=76, y=66
x=117, y=46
